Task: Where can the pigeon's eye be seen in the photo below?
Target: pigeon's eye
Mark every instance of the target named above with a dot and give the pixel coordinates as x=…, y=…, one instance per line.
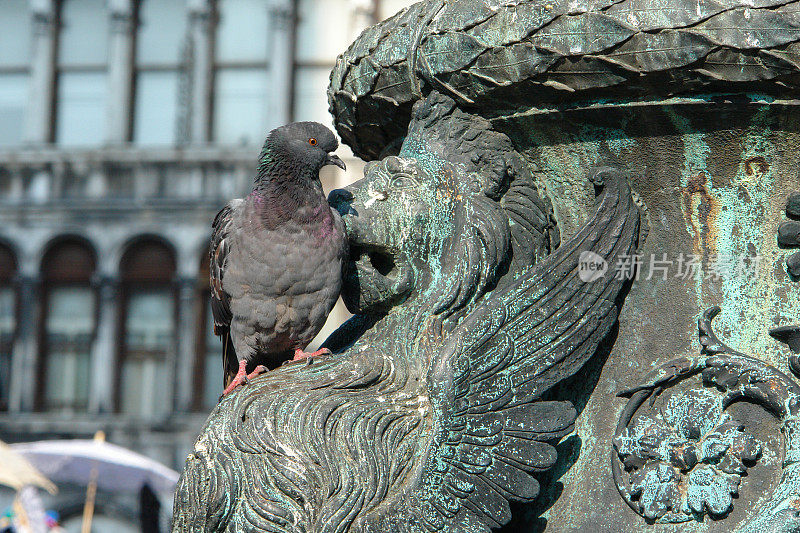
x=312, y=141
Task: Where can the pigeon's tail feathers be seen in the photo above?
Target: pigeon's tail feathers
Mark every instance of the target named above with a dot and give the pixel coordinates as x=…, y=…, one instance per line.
x=221, y=311
x=220, y=300
x=230, y=363
x=218, y=257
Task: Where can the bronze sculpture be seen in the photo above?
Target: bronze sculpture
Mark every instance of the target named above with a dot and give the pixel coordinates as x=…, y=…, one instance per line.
x=431, y=416
x=487, y=286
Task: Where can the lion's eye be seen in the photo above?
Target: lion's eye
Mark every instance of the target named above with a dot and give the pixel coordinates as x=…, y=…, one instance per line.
x=312, y=141
x=403, y=182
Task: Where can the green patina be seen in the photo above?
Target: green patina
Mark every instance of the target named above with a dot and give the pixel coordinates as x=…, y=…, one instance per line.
x=741, y=232
x=728, y=211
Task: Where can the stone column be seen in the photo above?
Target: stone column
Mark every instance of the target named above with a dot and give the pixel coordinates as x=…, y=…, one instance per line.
x=26, y=347
x=39, y=112
x=281, y=61
x=185, y=347
x=104, y=348
x=120, y=72
x=202, y=23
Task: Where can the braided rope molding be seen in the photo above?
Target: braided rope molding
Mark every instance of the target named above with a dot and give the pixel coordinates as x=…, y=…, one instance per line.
x=503, y=56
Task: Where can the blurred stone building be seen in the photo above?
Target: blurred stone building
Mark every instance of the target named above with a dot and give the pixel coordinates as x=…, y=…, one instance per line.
x=124, y=127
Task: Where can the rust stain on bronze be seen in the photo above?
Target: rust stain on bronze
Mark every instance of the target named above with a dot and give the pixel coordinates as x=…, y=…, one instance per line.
x=755, y=166
x=447, y=186
x=702, y=210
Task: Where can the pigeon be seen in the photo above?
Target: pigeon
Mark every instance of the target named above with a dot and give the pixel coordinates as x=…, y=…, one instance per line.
x=277, y=255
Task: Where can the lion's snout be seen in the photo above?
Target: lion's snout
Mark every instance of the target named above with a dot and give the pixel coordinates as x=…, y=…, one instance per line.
x=342, y=201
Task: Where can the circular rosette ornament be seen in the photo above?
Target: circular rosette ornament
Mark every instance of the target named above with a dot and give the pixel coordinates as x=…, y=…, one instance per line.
x=678, y=453
x=686, y=459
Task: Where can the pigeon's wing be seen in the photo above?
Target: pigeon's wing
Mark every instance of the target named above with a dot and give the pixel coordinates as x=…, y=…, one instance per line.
x=493, y=432
x=220, y=300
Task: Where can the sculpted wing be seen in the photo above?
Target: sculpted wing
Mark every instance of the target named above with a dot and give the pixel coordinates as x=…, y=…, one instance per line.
x=538, y=330
x=220, y=300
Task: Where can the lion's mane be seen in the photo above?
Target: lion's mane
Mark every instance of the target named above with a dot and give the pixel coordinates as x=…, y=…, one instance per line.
x=503, y=223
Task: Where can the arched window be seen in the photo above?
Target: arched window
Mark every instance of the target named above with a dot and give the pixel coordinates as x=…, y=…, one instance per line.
x=208, y=380
x=8, y=319
x=68, y=316
x=147, y=343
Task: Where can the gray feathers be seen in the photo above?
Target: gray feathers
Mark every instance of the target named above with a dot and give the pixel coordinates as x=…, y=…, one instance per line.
x=276, y=255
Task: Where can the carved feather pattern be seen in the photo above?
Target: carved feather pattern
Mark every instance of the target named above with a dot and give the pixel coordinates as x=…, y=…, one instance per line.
x=494, y=434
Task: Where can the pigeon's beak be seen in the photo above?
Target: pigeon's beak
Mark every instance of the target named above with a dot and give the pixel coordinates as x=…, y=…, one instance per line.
x=333, y=159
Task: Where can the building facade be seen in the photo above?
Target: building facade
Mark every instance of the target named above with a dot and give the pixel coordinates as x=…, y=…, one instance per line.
x=124, y=127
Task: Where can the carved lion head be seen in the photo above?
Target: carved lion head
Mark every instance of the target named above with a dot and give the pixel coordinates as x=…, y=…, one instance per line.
x=440, y=222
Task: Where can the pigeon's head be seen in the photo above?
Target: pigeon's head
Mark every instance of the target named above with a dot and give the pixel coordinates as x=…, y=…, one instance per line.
x=300, y=146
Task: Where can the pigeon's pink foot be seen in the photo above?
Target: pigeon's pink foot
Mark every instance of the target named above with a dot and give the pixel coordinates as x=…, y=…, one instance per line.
x=242, y=377
x=300, y=354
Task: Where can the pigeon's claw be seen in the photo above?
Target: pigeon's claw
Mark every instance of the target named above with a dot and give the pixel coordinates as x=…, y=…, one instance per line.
x=260, y=369
x=300, y=354
x=239, y=379
x=242, y=377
